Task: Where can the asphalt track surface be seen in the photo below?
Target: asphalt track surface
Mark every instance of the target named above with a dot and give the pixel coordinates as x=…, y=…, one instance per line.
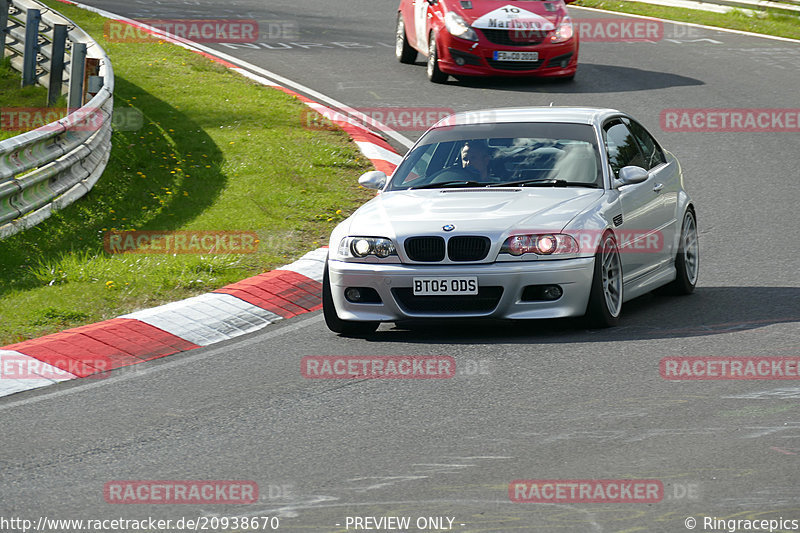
x=547, y=400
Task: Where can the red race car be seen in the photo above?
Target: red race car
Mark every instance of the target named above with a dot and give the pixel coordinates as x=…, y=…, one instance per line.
x=488, y=37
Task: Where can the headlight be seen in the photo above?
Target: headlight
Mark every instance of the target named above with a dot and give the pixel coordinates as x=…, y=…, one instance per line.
x=456, y=25
x=359, y=247
x=564, y=32
x=546, y=244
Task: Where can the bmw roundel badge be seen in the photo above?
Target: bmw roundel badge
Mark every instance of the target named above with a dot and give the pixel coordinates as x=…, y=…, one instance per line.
x=448, y=227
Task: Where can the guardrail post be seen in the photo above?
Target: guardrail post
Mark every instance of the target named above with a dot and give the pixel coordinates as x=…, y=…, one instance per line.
x=4, y=5
x=31, y=47
x=76, y=68
x=57, y=63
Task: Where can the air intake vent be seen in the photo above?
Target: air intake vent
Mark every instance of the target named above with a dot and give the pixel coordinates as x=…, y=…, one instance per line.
x=468, y=248
x=618, y=220
x=484, y=302
x=520, y=37
x=425, y=249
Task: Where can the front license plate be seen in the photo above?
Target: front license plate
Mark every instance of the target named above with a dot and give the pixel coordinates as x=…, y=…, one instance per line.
x=516, y=56
x=434, y=286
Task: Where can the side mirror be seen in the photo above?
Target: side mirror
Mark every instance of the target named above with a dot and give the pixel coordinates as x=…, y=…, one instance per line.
x=372, y=180
x=630, y=175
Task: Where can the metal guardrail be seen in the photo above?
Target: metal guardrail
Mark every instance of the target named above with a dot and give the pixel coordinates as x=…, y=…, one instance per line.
x=48, y=168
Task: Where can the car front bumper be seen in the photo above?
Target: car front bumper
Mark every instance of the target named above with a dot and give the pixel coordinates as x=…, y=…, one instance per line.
x=393, y=283
x=555, y=60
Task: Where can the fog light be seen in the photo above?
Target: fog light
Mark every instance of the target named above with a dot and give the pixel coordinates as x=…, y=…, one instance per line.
x=362, y=295
x=551, y=292
x=460, y=61
x=352, y=294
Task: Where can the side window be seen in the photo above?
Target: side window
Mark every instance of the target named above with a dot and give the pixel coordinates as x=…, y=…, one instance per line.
x=623, y=149
x=653, y=156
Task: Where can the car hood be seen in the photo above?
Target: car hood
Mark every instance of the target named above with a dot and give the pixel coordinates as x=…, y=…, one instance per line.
x=491, y=212
x=494, y=14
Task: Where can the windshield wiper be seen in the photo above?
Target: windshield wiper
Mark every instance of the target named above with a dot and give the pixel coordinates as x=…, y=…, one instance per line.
x=446, y=184
x=544, y=183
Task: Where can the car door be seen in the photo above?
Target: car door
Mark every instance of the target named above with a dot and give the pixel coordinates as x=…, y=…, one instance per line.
x=642, y=210
x=667, y=176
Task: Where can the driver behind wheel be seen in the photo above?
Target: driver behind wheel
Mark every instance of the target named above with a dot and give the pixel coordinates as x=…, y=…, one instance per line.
x=475, y=158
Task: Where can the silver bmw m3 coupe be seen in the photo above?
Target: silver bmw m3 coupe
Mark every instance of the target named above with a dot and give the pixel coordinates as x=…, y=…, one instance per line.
x=515, y=214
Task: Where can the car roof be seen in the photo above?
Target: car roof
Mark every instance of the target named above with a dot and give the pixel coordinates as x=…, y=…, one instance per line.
x=575, y=115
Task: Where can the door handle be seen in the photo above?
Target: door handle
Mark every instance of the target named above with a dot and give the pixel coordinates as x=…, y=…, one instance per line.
x=657, y=187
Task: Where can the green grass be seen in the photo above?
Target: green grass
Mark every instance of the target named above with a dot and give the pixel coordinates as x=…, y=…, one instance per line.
x=216, y=152
x=769, y=22
x=13, y=95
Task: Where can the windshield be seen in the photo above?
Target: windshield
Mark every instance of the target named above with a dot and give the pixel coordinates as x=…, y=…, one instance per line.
x=518, y=154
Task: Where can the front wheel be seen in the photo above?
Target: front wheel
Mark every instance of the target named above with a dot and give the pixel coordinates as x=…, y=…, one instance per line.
x=687, y=258
x=332, y=320
x=434, y=74
x=404, y=52
x=605, y=299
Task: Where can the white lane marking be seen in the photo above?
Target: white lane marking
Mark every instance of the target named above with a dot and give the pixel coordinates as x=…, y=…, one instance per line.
x=691, y=24
x=684, y=41
x=142, y=370
x=255, y=77
x=373, y=151
x=783, y=393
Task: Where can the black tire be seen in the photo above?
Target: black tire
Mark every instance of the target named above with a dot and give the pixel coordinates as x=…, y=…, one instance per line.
x=605, y=298
x=432, y=65
x=332, y=320
x=687, y=259
x=404, y=52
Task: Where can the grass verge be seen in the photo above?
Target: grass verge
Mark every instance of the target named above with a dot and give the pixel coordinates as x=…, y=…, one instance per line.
x=768, y=22
x=13, y=95
x=215, y=152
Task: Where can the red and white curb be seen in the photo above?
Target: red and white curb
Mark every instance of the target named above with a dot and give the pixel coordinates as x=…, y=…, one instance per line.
x=226, y=313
